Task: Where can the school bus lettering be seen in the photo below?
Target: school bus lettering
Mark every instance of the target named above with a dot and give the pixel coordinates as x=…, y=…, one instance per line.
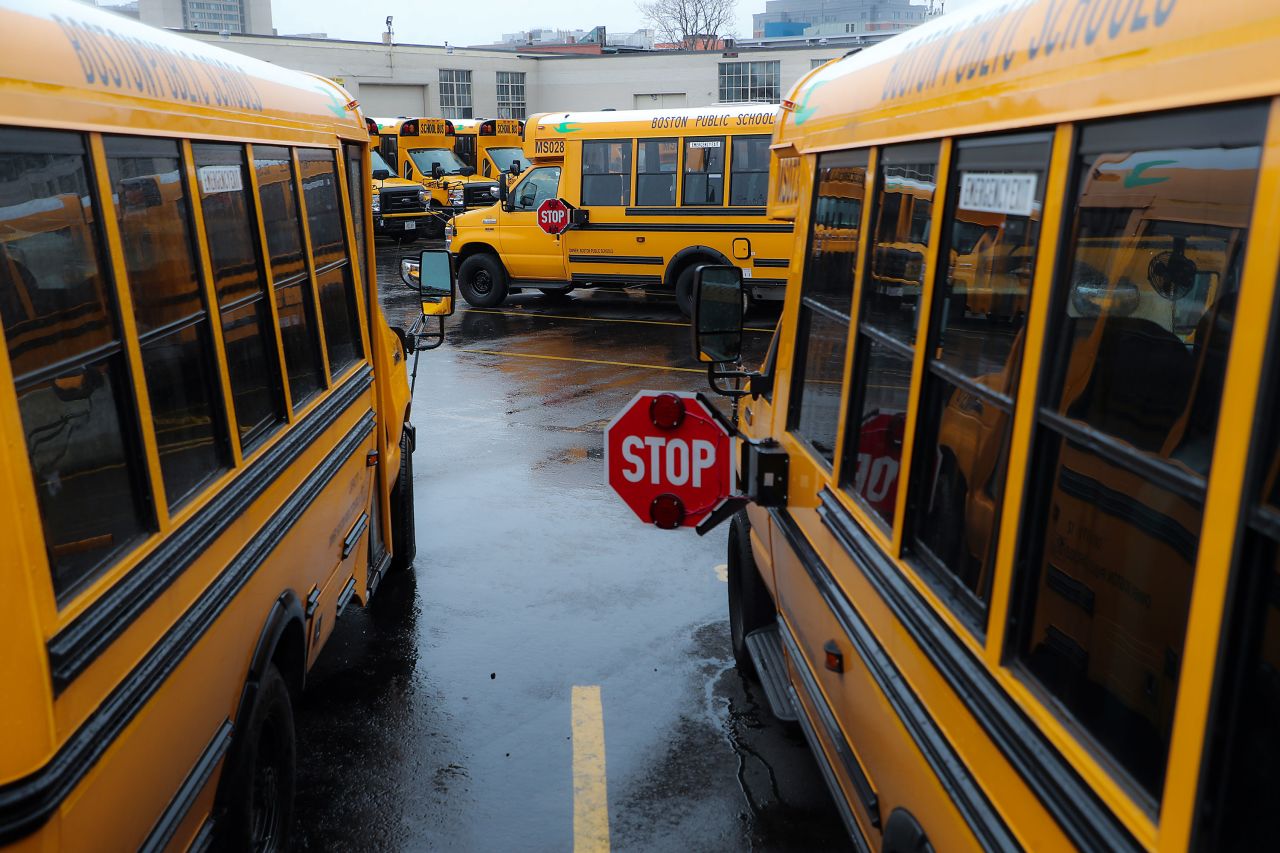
x=996, y=40
x=128, y=63
x=434, y=125
x=549, y=146
x=754, y=119
x=669, y=122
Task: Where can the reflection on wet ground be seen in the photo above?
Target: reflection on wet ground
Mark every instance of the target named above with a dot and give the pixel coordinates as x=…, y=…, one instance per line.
x=440, y=717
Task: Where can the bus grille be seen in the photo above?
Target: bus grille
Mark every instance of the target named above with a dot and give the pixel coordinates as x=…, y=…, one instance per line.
x=401, y=200
x=478, y=194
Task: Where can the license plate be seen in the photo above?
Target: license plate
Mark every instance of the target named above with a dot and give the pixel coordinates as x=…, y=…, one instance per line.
x=410, y=225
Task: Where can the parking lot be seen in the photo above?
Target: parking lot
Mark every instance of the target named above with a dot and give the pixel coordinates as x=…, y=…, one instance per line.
x=445, y=716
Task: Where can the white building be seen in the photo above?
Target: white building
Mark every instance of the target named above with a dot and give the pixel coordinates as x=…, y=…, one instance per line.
x=400, y=79
x=808, y=18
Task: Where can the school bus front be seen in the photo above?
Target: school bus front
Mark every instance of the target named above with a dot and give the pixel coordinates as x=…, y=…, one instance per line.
x=493, y=147
x=655, y=193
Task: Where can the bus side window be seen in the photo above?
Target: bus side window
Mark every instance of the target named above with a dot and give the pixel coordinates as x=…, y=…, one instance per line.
x=981, y=290
x=247, y=331
x=749, y=171
x=79, y=418
x=656, y=172
x=1244, y=766
x=173, y=322
x=279, y=201
x=826, y=298
x=357, y=186
x=606, y=173
x=332, y=260
x=887, y=326
x=1127, y=419
x=703, y=170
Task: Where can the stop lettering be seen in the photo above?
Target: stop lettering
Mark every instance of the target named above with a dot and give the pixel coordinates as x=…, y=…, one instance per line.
x=668, y=458
x=553, y=216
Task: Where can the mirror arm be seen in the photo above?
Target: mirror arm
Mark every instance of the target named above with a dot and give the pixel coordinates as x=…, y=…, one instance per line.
x=714, y=375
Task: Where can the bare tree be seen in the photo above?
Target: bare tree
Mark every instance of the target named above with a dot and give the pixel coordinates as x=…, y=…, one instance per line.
x=691, y=24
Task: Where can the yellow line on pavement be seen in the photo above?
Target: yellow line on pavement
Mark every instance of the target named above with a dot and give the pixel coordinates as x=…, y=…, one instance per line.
x=590, y=794
x=583, y=360
x=596, y=319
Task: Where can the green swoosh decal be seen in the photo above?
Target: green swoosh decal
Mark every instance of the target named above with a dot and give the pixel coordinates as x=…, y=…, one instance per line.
x=804, y=112
x=1135, y=178
x=567, y=127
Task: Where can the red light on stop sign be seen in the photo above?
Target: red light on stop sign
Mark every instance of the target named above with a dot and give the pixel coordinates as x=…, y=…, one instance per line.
x=666, y=411
x=667, y=511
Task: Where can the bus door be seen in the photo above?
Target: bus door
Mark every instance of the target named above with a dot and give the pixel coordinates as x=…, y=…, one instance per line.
x=527, y=250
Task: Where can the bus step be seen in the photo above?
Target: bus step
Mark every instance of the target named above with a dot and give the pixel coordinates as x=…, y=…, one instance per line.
x=765, y=646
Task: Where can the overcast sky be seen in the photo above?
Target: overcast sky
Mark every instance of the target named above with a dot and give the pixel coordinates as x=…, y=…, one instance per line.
x=473, y=22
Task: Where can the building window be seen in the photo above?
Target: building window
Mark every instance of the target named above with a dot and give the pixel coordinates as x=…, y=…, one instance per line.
x=817, y=63
x=510, y=94
x=455, y=93
x=749, y=81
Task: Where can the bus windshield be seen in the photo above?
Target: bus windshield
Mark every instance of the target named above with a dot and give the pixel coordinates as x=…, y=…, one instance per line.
x=424, y=157
x=376, y=162
x=504, y=157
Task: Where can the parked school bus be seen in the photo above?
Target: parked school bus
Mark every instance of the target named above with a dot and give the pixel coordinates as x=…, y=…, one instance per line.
x=1017, y=577
x=493, y=147
x=421, y=150
x=207, y=457
x=400, y=207
x=655, y=193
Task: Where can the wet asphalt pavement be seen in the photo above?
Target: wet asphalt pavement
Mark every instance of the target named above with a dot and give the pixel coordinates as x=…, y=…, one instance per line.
x=440, y=718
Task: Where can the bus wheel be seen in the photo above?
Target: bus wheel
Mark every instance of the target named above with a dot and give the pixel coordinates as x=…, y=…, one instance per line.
x=556, y=292
x=684, y=289
x=750, y=606
x=404, y=539
x=483, y=281
x=259, y=815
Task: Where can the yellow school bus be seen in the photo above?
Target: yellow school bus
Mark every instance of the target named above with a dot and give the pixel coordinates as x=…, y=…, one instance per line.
x=399, y=207
x=421, y=150
x=1014, y=589
x=494, y=147
x=207, y=456
x=655, y=193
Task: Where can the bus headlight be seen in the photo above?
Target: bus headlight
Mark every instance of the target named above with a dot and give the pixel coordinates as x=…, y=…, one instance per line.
x=377, y=205
x=423, y=195
x=456, y=198
x=448, y=234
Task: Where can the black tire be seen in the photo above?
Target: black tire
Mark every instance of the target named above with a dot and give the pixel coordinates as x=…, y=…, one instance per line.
x=483, y=281
x=259, y=792
x=556, y=293
x=404, y=537
x=750, y=606
x=684, y=289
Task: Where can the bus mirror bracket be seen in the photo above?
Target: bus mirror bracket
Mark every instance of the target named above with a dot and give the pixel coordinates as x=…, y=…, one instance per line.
x=763, y=469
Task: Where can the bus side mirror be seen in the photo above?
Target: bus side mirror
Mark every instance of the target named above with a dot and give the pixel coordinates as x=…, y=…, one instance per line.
x=717, y=314
x=381, y=174
x=431, y=273
x=437, y=171
x=467, y=171
x=514, y=168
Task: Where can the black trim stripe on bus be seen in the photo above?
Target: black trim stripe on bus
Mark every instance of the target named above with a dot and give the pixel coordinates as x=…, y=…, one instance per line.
x=772, y=262
x=611, y=278
x=27, y=803
x=616, y=259
x=986, y=824
x=691, y=228
x=162, y=833
x=813, y=692
x=764, y=282
x=695, y=211
x=1080, y=813
x=75, y=647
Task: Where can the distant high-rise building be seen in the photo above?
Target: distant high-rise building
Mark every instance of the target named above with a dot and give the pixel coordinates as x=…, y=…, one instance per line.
x=232, y=16
x=808, y=18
